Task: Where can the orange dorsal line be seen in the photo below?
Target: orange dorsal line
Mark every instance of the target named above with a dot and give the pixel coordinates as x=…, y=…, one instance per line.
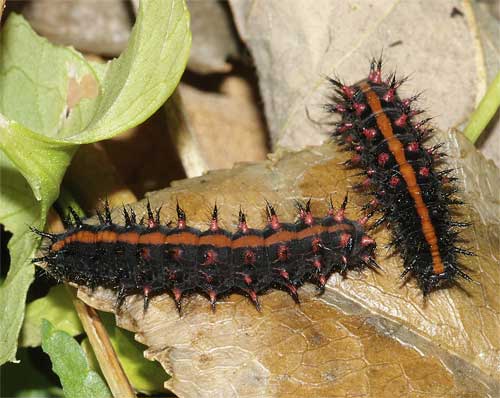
x=397, y=150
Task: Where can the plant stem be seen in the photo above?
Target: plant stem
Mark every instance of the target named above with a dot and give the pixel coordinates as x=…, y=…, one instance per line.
x=106, y=356
x=485, y=111
x=94, y=328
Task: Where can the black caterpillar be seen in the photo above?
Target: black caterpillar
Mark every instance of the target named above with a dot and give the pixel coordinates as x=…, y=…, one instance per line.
x=414, y=197
x=152, y=259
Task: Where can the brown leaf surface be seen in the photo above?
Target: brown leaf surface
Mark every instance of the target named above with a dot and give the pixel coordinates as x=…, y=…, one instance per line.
x=227, y=125
x=92, y=177
x=366, y=336
x=145, y=156
x=94, y=26
x=197, y=130
x=295, y=45
x=214, y=39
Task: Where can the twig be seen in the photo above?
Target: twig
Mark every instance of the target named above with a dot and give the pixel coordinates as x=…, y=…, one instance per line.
x=98, y=336
x=106, y=356
x=2, y=6
x=183, y=136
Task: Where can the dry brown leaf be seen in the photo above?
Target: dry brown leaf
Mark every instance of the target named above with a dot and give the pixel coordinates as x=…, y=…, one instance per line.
x=67, y=22
x=195, y=132
x=366, y=336
x=92, y=177
x=227, y=125
x=145, y=156
x=295, y=45
x=214, y=39
x=95, y=26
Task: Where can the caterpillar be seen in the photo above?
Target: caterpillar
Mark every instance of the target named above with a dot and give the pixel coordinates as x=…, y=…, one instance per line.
x=149, y=258
x=400, y=172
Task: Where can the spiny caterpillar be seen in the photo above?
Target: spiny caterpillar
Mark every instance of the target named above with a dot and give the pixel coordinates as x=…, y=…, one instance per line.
x=151, y=259
x=415, y=198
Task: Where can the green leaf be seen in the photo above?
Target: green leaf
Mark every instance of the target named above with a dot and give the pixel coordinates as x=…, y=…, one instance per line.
x=31, y=170
x=90, y=355
x=146, y=376
x=70, y=364
x=52, y=392
x=37, y=78
x=145, y=75
x=19, y=210
x=37, y=385
x=52, y=99
x=57, y=308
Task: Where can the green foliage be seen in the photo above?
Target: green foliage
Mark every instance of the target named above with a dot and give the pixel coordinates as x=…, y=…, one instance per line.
x=487, y=108
x=15, y=382
x=70, y=364
x=52, y=99
x=146, y=376
x=57, y=308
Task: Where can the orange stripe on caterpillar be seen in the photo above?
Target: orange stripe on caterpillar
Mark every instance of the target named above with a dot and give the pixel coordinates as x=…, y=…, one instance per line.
x=152, y=259
x=414, y=197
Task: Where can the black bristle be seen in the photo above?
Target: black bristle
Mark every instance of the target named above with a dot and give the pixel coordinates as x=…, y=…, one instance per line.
x=100, y=217
x=377, y=99
x=126, y=217
x=76, y=217
x=135, y=260
x=107, y=213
